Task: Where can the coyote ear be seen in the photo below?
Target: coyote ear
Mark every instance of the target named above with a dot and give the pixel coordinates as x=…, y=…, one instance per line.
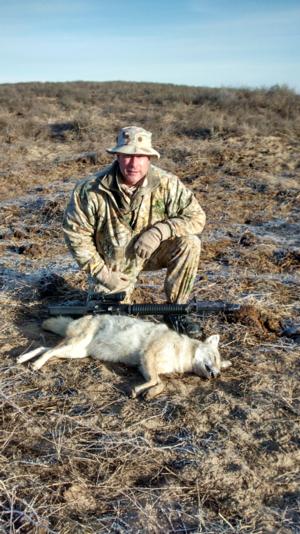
x=213, y=340
x=225, y=364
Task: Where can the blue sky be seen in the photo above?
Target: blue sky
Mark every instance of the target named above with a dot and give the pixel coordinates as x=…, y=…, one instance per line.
x=238, y=43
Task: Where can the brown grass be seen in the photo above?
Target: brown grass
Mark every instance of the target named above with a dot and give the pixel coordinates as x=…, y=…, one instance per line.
x=77, y=455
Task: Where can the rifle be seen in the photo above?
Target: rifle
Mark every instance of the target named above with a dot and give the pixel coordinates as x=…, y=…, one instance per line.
x=111, y=303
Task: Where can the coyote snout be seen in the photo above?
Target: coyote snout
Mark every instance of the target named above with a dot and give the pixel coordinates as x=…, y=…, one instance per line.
x=152, y=347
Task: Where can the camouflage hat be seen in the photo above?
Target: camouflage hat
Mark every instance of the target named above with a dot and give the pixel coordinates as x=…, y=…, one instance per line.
x=134, y=140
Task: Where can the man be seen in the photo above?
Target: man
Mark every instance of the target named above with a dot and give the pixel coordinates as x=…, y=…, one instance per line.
x=133, y=216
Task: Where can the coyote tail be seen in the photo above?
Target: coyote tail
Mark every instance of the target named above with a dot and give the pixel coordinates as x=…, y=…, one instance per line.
x=58, y=325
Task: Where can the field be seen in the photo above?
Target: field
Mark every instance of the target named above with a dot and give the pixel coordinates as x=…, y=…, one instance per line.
x=77, y=454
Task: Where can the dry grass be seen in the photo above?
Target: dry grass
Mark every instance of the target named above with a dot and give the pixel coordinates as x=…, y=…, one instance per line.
x=77, y=455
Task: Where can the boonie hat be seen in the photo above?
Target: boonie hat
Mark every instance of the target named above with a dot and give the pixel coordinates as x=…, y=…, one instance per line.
x=134, y=140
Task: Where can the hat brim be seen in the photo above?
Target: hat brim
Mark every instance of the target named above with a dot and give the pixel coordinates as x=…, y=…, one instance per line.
x=133, y=150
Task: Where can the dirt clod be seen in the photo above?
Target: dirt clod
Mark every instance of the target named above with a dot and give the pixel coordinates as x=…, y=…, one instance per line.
x=249, y=316
x=32, y=249
x=248, y=239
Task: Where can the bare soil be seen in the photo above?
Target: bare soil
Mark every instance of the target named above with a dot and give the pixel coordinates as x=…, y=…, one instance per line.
x=77, y=454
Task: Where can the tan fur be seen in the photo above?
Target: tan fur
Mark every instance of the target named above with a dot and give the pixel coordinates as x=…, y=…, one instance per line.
x=152, y=347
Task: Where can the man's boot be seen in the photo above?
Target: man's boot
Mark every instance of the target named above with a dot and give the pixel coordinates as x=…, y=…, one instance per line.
x=182, y=324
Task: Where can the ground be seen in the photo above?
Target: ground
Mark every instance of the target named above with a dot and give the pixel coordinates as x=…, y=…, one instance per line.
x=78, y=455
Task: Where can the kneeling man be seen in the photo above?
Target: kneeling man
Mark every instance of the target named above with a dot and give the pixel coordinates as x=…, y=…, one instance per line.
x=133, y=216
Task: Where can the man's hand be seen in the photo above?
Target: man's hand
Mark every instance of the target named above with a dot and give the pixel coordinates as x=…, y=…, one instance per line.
x=113, y=280
x=150, y=240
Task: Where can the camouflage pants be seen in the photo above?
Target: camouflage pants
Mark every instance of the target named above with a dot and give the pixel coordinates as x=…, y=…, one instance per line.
x=180, y=256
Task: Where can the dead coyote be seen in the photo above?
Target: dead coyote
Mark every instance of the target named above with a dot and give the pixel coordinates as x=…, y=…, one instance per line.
x=152, y=347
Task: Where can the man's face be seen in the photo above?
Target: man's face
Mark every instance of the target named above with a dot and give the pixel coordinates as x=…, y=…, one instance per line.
x=133, y=168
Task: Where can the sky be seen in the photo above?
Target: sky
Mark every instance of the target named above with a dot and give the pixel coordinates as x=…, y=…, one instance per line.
x=211, y=43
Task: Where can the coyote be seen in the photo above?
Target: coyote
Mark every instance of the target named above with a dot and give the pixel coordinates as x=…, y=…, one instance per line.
x=152, y=347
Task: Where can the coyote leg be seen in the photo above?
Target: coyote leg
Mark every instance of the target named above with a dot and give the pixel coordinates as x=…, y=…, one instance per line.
x=63, y=350
x=47, y=355
x=31, y=354
x=148, y=369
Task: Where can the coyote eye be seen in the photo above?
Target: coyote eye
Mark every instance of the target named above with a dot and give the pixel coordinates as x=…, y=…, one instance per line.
x=208, y=369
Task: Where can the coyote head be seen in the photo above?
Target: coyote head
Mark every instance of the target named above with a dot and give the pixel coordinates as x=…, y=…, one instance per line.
x=207, y=360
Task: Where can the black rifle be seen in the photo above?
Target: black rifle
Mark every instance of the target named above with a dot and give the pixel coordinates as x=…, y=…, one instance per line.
x=111, y=303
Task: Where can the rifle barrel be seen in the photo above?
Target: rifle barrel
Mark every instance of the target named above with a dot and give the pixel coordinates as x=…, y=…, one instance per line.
x=214, y=306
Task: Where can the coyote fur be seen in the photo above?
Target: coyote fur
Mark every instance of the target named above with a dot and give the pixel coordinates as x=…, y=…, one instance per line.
x=152, y=347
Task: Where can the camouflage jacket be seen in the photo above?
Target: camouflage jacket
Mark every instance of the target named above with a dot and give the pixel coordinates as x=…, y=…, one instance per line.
x=101, y=223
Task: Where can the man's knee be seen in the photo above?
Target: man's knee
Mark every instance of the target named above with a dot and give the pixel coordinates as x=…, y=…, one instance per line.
x=192, y=243
x=184, y=248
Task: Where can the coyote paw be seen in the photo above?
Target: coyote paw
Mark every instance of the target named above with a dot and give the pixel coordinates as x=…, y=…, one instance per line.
x=151, y=393
x=133, y=394
x=36, y=366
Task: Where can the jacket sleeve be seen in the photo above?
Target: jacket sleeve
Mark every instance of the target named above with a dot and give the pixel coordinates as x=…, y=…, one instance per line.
x=80, y=220
x=184, y=213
